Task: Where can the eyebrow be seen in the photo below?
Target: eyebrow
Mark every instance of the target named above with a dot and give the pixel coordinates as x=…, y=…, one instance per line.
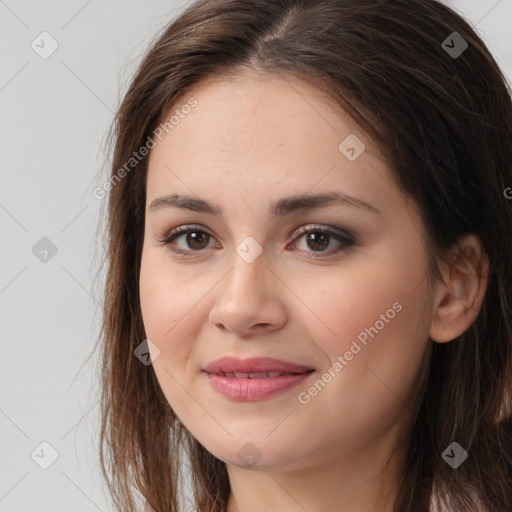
x=279, y=208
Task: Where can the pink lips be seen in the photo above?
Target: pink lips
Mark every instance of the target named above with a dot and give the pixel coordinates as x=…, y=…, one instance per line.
x=245, y=380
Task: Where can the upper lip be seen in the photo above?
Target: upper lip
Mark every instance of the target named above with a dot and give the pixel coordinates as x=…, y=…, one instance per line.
x=254, y=364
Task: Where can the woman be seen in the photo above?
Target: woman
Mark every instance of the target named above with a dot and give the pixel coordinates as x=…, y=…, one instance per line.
x=309, y=288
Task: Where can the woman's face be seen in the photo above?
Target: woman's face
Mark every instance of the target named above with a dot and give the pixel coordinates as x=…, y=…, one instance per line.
x=338, y=288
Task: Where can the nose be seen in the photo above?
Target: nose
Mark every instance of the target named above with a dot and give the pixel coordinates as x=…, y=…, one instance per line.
x=249, y=299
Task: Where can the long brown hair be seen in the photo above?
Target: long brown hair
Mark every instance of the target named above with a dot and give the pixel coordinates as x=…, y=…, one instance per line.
x=442, y=116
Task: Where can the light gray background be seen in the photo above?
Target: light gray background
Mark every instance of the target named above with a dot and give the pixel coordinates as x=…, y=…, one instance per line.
x=54, y=116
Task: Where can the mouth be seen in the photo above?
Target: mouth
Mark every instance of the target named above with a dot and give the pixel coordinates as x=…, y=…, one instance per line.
x=254, y=379
x=255, y=375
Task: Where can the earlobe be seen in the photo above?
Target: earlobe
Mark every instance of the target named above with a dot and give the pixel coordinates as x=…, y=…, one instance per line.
x=457, y=301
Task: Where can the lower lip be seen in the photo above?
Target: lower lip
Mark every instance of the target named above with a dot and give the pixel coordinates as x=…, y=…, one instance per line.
x=254, y=389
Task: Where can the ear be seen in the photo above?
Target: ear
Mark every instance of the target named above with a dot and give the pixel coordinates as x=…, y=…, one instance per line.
x=459, y=299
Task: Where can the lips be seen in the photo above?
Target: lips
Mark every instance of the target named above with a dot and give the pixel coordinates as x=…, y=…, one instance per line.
x=254, y=379
x=254, y=368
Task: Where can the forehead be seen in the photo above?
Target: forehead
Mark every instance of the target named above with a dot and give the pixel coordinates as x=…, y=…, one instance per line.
x=257, y=109
x=253, y=134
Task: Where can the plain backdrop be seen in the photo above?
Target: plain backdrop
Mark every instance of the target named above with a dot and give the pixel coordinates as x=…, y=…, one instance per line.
x=55, y=111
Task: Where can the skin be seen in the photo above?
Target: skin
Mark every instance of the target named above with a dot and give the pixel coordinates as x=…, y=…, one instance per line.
x=247, y=143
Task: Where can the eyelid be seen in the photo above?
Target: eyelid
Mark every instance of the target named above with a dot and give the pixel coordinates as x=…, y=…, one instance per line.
x=347, y=239
x=323, y=228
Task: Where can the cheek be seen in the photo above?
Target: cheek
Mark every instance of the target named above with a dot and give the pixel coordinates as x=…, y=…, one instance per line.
x=170, y=321
x=378, y=299
x=376, y=320
x=377, y=377
x=168, y=307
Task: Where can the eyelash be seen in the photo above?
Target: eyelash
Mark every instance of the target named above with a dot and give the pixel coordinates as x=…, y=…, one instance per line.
x=347, y=240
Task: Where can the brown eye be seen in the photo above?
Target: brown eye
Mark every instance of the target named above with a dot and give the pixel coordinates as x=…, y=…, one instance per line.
x=194, y=240
x=318, y=239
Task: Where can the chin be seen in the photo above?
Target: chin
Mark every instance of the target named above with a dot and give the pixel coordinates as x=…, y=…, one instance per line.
x=252, y=454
